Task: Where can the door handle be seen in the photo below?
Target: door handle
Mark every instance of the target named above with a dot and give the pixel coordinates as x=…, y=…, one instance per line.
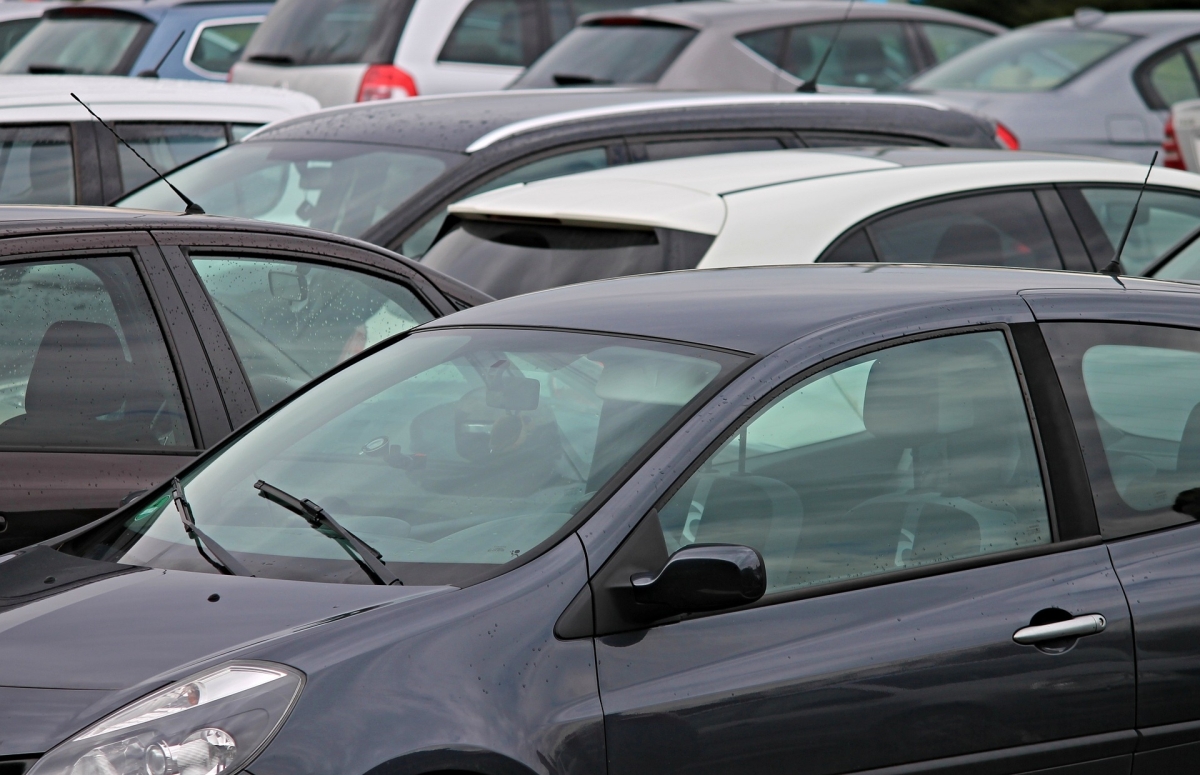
x=1088, y=624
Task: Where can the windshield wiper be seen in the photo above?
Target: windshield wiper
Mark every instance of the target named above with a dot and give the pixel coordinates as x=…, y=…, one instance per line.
x=36, y=69
x=272, y=59
x=370, y=560
x=570, y=79
x=221, y=559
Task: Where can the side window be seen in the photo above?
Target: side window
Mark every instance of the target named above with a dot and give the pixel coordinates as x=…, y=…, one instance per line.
x=238, y=132
x=291, y=321
x=218, y=46
x=36, y=165
x=1001, y=229
x=494, y=32
x=855, y=249
x=1134, y=392
x=166, y=146
x=685, y=148
x=1171, y=77
x=917, y=454
x=12, y=31
x=551, y=167
x=947, y=40
x=82, y=360
x=1163, y=220
x=867, y=54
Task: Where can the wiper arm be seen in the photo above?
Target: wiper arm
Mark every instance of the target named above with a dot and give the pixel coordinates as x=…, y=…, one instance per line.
x=221, y=559
x=571, y=79
x=272, y=59
x=368, y=559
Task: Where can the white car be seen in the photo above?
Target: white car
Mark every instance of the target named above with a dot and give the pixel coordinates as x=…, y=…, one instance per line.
x=53, y=152
x=344, y=51
x=910, y=205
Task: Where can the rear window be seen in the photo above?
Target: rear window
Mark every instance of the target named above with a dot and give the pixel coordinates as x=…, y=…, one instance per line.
x=1024, y=61
x=12, y=31
x=329, y=32
x=507, y=259
x=79, y=43
x=608, y=53
x=218, y=46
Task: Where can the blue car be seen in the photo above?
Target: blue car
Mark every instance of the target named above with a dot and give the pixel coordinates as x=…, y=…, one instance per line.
x=167, y=38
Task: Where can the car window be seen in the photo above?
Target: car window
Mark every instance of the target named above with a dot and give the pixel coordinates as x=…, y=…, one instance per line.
x=36, y=165
x=79, y=45
x=1134, y=392
x=82, y=360
x=1172, y=80
x=917, y=454
x=659, y=150
x=329, y=32
x=291, y=321
x=494, y=32
x=568, y=163
x=166, y=146
x=1163, y=220
x=1001, y=229
x=608, y=55
x=949, y=40
x=218, y=46
x=867, y=54
x=12, y=31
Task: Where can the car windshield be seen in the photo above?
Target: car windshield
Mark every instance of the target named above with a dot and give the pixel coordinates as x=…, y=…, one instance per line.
x=602, y=54
x=344, y=188
x=79, y=44
x=450, y=452
x=1024, y=61
x=329, y=32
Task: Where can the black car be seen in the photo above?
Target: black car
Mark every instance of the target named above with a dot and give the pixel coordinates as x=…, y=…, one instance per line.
x=131, y=341
x=830, y=519
x=387, y=172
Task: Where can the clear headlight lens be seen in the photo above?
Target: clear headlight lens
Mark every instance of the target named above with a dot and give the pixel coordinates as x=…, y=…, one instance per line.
x=212, y=723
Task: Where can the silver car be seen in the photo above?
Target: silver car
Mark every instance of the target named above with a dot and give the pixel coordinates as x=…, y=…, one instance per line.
x=715, y=46
x=1096, y=84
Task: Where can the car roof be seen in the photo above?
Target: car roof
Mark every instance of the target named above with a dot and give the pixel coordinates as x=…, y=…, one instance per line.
x=734, y=17
x=1135, y=22
x=21, y=9
x=474, y=122
x=30, y=98
x=687, y=194
x=760, y=309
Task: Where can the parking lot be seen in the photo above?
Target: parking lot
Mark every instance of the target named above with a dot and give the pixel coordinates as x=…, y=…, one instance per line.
x=556, y=387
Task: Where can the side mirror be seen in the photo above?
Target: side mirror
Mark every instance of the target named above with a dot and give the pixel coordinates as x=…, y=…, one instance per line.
x=704, y=577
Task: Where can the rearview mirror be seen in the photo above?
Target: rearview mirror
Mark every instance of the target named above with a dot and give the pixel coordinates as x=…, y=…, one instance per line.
x=704, y=577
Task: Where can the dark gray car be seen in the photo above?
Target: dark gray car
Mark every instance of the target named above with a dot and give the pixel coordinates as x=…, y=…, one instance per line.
x=832, y=519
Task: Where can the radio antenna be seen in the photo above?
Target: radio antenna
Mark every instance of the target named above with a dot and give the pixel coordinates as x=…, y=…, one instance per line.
x=1114, y=266
x=153, y=71
x=192, y=208
x=810, y=86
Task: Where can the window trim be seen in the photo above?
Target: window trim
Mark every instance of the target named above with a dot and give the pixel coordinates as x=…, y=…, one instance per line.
x=195, y=41
x=1141, y=73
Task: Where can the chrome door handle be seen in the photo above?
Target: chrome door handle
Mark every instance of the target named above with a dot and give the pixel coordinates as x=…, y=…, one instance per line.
x=1088, y=624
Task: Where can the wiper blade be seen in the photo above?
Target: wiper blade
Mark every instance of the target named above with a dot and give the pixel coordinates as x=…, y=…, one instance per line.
x=368, y=559
x=570, y=79
x=272, y=59
x=220, y=559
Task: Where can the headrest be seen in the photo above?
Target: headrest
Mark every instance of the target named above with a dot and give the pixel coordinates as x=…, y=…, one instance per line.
x=79, y=370
x=646, y=377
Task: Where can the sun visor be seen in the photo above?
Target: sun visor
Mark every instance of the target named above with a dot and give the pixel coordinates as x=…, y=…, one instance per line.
x=651, y=377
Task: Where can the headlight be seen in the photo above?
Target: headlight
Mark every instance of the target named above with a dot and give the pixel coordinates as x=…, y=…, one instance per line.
x=209, y=724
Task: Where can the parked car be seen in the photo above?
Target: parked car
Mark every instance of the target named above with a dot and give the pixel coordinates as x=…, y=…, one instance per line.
x=189, y=39
x=657, y=524
x=344, y=51
x=410, y=160
x=53, y=152
x=130, y=341
x=892, y=205
x=17, y=17
x=716, y=46
x=1096, y=84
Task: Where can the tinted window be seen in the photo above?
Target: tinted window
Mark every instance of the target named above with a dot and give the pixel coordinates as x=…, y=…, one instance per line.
x=166, y=146
x=949, y=40
x=329, y=32
x=1134, y=392
x=291, y=321
x=218, y=46
x=453, y=453
x=1163, y=220
x=12, y=31
x=341, y=187
x=1003, y=229
x=608, y=54
x=1024, y=61
x=551, y=167
x=678, y=149
x=494, y=32
x=36, y=166
x=506, y=259
x=82, y=360
x=918, y=454
x=870, y=55
x=85, y=45
x=1171, y=79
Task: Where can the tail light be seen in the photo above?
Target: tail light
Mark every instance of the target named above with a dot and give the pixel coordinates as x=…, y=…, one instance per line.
x=1170, y=147
x=1005, y=137
x=383, y=82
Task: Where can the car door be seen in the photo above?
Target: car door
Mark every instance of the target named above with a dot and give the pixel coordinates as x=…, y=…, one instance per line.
x=1134, y=391
x=915, y=523
x=275, y=313
x=104, y=389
